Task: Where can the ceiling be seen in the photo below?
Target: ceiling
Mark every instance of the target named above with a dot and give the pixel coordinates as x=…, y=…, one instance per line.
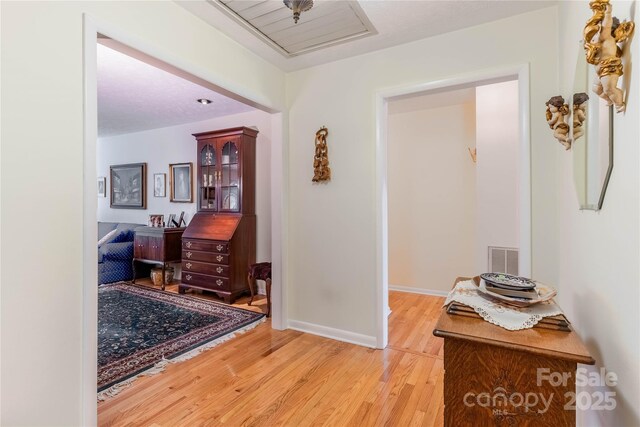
x=327, y=23
x=396, y=22
x=134, y=96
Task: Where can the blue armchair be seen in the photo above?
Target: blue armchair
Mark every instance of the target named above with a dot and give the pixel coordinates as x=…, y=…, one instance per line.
x=115, y=254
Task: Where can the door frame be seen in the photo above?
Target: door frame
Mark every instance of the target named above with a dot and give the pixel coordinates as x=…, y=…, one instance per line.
x=93, y=26
x=519, y=72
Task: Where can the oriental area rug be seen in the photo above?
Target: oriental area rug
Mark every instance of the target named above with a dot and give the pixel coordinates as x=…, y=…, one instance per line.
x=141, y=330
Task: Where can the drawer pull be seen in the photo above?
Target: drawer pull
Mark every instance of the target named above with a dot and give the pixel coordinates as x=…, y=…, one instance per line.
x=188, y=265
x=188, y=277
x=219, y=282
x=219, y=247
x=219, y=269
x=188, y=245
x=219, y=258
x=189, y=254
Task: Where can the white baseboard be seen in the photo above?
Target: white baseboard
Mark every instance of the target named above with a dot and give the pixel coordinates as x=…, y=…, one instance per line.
x=432, y=292
x=336, y=334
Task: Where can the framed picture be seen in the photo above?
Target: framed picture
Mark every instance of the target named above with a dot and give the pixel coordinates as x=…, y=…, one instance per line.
x=159, y=185
x=129, y=186
x=156, y=220
x=170, y=221
x=102, y=186
x=180, y=179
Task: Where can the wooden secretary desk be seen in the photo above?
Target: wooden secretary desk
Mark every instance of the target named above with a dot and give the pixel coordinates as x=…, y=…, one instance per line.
x=220, y=242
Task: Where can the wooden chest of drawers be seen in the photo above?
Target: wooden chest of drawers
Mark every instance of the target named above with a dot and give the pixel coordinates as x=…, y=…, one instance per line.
x=216, y=253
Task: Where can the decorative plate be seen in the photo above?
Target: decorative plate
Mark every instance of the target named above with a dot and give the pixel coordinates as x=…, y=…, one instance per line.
x=545, y=293
x=507, y=281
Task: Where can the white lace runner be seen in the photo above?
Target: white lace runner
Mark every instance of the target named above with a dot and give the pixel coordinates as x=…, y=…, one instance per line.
x=507, y=317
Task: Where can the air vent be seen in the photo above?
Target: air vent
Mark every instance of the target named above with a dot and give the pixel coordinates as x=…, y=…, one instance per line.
x=503, y=260
x=326, y=24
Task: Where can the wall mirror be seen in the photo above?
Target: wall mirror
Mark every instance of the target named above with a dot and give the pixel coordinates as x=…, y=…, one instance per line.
x=592, y=134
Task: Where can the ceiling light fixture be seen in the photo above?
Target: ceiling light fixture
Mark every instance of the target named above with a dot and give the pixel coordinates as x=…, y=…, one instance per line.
x=298, y=6
x=204, y=101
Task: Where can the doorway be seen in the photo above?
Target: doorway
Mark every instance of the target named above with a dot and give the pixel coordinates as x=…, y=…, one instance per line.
x=276, y=175
x=477, y=249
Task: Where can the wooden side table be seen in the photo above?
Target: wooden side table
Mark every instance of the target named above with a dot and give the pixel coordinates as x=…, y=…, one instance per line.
x=498, y=377
x=157, y=245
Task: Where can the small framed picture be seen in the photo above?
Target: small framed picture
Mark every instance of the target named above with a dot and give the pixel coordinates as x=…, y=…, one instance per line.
x=102, y=186
x=156, y=220
x=180, y=179
x=159, y=185
x=170, y=221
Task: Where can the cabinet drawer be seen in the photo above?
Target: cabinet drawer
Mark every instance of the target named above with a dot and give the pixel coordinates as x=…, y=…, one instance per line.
x=214, y=283
x=214, y=258
x=211, y=246
x=206, y=268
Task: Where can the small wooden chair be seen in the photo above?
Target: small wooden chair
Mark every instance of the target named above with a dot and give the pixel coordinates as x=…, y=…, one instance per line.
x=260, y=271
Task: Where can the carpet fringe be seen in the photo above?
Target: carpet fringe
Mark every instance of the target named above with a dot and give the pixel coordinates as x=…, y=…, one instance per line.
x=161, y=365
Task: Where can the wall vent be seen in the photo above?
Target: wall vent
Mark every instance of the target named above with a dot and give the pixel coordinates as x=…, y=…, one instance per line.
x=503, y=260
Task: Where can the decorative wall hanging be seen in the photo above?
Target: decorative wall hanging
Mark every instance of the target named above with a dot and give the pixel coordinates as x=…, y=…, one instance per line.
x=579, y=114
x=604, y=36
x=557, y=115
x=474, y=154
x=102, y=186
x=321, y=169
x=159, y=185
x=180, y=179
x=129, y=186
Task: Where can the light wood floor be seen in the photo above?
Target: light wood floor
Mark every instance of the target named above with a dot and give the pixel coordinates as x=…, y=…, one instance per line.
x=288, y=378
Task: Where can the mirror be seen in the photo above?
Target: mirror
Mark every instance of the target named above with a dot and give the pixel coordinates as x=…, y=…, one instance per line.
x=592, y=134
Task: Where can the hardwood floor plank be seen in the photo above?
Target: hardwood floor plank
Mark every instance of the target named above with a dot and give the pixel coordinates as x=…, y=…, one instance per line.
x=287, y=378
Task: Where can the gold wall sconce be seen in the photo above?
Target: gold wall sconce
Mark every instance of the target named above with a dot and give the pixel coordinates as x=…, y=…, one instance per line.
x=604, y=39
x=321, y=169
x=557, y=115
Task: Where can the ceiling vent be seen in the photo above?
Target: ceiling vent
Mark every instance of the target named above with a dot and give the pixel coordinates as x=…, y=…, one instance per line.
x=326, y=24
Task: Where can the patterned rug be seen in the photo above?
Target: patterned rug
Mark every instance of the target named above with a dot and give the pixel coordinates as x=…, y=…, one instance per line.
x=140, y=330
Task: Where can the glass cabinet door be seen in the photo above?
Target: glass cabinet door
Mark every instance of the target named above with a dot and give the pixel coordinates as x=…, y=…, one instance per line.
x=230, y=179
x=207, y=178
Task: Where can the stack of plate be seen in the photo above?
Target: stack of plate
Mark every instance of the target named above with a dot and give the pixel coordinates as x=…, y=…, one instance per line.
x=514, y=290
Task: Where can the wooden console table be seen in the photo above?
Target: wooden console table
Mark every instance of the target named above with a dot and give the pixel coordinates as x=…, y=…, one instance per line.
x=491, y=373
x=157, y=245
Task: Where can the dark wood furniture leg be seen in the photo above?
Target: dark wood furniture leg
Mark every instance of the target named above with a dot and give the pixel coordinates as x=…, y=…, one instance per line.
x=268, y=281
x=133, y=267
x=163, y=268
x=251, y=284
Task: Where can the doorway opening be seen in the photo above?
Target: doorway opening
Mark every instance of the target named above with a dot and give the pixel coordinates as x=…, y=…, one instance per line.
x=453, y=173
x=159, y=146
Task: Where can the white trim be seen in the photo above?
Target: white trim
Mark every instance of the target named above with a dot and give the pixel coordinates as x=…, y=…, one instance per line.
x=279, y=176
x=471, y=79
x=335, y=334
x=421, y=291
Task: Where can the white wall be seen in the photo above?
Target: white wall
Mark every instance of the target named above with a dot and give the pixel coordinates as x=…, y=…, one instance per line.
x=160, y=147
x=42, y=177
x=332, y=228
x=497, y=172
x=599, y=252
x=431, y=190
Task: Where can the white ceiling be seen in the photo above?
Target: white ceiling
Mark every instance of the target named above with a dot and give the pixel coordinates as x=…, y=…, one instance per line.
x=134, y=96
x=397, y=22
x=327, y=23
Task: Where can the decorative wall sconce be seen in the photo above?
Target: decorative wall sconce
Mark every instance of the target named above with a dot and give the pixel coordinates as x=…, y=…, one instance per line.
x=557, y=115
x=474, y=154
x=579, y=114
x=603, y=39
x=321, y=169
